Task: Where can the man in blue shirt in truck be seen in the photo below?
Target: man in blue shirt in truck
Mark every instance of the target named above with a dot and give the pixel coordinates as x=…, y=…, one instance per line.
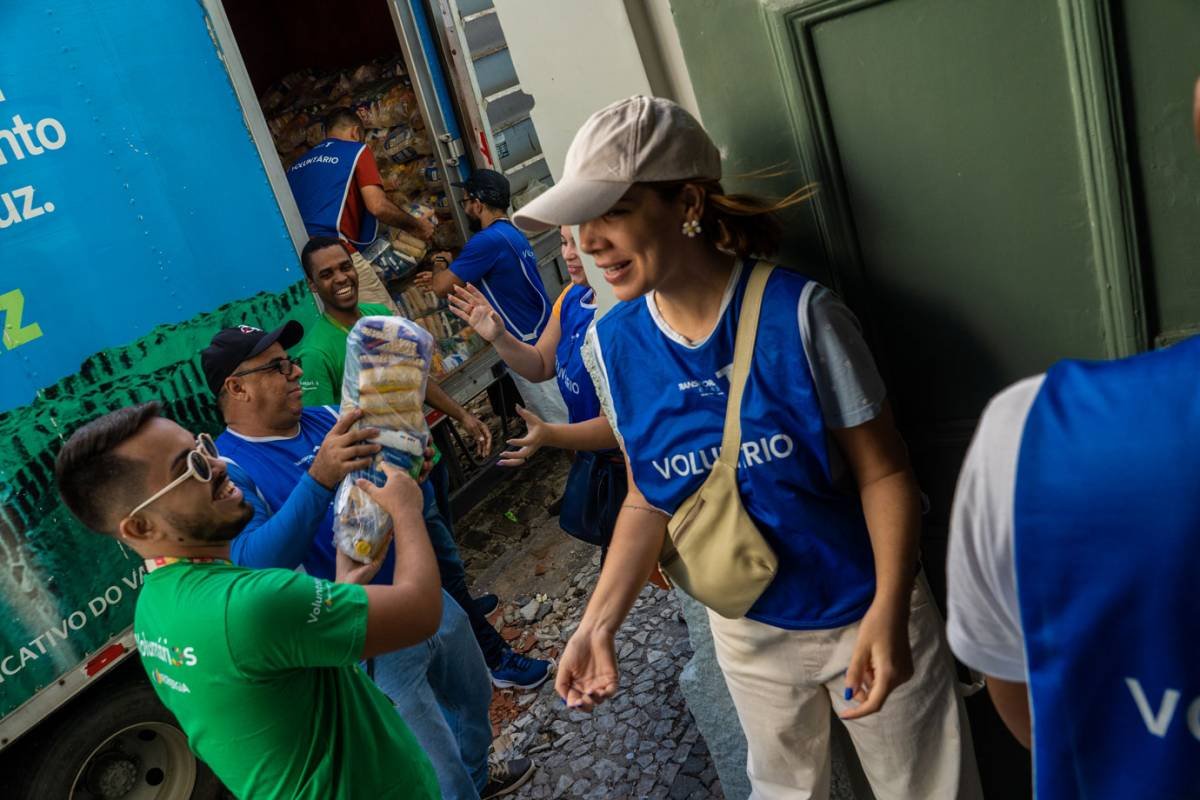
x=499, y=260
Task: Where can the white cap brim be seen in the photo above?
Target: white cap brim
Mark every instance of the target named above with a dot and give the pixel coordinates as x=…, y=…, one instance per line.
x=571, y=202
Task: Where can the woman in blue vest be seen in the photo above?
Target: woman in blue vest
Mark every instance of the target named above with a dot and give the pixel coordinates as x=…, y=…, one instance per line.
x=847, y=624
x=555, y=355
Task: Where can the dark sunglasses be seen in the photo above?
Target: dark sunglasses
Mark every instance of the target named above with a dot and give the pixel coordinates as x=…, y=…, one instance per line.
x=282, y=365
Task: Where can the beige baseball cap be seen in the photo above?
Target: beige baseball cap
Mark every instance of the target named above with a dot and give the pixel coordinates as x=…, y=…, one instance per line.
x=638, y=140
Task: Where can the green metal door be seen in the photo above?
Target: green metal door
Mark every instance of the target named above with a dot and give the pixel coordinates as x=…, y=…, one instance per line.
x=1004, y=183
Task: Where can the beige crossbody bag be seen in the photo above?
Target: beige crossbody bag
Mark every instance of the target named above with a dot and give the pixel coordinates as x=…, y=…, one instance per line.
x=713, y=551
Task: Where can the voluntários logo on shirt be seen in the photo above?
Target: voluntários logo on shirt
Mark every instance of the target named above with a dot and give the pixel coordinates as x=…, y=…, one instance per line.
x=762, y=450
x=321, y=600
x=171, y=683
x=162, y=650
x=306, y=461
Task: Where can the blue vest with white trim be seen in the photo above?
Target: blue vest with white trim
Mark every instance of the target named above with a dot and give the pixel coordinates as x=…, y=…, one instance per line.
x=320, y=181
x=669, y=400
x=575, y=315
x=1107, y=547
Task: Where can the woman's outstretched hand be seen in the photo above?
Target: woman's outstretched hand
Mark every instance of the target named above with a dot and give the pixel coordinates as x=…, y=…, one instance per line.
x=468, y=304
x=525, y=446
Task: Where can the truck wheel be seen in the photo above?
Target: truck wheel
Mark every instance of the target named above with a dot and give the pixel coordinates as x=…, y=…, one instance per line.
x=118, y=743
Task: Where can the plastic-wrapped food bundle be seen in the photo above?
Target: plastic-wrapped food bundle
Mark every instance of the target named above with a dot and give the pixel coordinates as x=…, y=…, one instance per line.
x=387, y=364
x=410, y=245
x=387, y=105
x=398, y=144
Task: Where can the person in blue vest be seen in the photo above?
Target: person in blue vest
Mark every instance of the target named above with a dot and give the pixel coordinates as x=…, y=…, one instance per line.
x=556, y=355
x=500, y=261
x=339, y=192
x=1072, y=571
x=287, y=461
x=847, y=626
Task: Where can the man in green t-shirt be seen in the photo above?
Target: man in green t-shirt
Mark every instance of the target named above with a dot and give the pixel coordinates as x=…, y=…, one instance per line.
x=322, y=352
x=332, y=278
x=259, y=666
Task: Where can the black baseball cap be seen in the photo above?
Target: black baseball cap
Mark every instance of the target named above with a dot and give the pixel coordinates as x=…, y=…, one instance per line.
x=231, y=346
x=489, y=186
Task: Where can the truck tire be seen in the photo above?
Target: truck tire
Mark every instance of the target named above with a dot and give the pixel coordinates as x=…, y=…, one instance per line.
x=118, y=742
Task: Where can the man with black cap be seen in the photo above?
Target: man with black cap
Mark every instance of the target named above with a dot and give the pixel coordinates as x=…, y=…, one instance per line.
x=499, y=260
x=276, y=448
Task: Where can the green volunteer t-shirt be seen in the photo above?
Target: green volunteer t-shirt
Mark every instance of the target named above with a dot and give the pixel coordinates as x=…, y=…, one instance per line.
x=260, y=669
x=322, y=355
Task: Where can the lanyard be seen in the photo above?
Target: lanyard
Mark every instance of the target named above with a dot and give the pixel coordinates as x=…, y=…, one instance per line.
x=164, y=561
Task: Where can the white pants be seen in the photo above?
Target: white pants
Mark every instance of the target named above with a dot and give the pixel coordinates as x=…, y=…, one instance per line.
x=784, y=684
x=542, y=399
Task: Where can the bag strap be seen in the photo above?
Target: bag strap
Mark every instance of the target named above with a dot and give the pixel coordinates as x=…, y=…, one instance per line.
x=743, y=354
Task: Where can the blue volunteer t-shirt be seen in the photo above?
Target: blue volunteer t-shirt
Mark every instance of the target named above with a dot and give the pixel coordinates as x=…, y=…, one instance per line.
x=501, y=263
x=576, y=309
x=277, y=466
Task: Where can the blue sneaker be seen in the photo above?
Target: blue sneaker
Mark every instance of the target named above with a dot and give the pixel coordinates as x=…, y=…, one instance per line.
x=519, y=672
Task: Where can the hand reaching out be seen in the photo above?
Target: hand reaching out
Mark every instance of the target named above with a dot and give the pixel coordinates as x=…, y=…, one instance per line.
x=527, y=445
x=479, y=433
x=468, y=304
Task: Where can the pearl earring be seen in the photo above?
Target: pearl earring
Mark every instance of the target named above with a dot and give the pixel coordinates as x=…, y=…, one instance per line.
x=691, y=228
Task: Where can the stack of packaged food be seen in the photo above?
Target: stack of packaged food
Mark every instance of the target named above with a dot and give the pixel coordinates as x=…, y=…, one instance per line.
x=387, y=361
x=382, y=96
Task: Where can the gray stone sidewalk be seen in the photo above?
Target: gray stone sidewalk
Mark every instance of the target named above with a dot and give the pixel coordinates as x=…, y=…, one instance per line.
x=644, y=742
x=641, y=744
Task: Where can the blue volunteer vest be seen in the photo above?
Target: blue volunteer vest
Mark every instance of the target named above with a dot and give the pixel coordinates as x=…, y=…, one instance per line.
x=670, y=408
x=277, y=465
x=575, y=314
x=1107, y=548
x=321, y=181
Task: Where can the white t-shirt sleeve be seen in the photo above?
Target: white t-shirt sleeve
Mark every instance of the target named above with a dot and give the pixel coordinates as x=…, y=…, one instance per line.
x=593, y=361
x=849, y=387
x=983, y=618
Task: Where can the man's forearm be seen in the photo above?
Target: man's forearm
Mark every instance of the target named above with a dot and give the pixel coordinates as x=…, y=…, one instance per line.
x=390, y=214
x=282, y=539
x=439, y=400
x=416, y=568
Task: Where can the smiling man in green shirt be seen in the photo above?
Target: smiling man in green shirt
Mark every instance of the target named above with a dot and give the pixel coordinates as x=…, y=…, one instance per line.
x=332, y=278
x=260, y=667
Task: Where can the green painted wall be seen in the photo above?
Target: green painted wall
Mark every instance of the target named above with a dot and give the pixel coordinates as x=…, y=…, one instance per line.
x=1159, y=47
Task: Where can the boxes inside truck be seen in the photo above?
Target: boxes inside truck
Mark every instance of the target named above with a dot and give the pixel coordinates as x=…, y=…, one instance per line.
x=305, y=61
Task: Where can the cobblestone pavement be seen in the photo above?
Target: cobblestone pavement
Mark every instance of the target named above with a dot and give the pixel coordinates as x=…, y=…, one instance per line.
x=641, y=744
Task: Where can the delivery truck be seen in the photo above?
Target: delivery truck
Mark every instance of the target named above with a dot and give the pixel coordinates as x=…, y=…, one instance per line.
x=144, y=206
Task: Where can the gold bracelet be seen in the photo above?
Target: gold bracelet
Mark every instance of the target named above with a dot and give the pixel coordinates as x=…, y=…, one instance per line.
x=641, y=508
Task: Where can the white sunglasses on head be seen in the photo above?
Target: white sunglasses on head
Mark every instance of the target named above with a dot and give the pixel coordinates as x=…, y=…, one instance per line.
x=197, y=467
